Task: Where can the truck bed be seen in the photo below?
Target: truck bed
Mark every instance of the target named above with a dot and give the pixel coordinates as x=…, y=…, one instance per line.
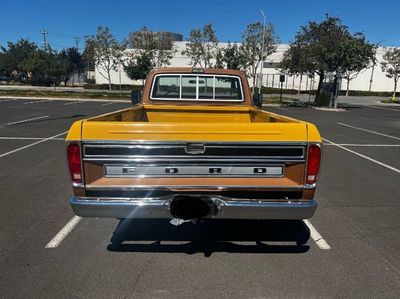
x=194, y=123
x=191, y=114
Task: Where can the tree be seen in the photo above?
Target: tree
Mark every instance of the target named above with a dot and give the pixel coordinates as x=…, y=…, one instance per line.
x=151, y=49
x=105, y=51
x=71, y=62
x=15, y=55
x=219, y=59
x=65, y=67
x=45, y=67
x=359, y=54
x=230, y=57
x=138, y=68
x=76, y=62
x=233, y=57
x=88, y=58
x=202, y=46
x=294, y=61
x=158, y=46
x=326, y=47
x=391, y=66
x=252, y=46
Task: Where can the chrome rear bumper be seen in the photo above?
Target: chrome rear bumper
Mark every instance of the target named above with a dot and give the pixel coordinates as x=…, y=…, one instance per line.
x=228, y=208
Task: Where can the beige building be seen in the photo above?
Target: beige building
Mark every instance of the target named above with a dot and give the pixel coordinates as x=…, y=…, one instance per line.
x=370, y=79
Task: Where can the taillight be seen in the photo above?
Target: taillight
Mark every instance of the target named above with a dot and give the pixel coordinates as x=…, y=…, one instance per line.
x=314, y=159
x=74, y=162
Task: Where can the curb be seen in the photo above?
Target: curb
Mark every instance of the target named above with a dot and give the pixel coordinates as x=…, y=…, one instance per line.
x=272, y=105
x=329, y=109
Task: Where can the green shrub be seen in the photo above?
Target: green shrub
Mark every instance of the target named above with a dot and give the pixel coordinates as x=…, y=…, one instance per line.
x=270, y=90
x=367, y=93
x=41, y=81
x=390, y=101
x=90, y=81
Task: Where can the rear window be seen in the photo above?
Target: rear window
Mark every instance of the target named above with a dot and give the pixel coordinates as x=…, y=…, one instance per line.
x=197, y=87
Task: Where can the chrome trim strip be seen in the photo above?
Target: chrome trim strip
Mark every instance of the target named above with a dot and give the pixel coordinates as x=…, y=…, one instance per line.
x=185, y=171
x=183, y=187
x=147, y=200
x=145, y=146
x=185, y=159
x=310, y=186
x=128, y=199
x=255, y=146
x=184, y=146
x=173, y=142
x=78, y=185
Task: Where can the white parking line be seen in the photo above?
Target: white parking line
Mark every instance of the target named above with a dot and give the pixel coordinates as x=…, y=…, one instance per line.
x=397, y=110
x=63, y=233
x=363, y=156
x=72, y=103
x=315, y=235
x=364, y=145
x=280, y=108
x=36, y=102
x=369, y=131
x=28, y=138
x=106, y=104
x=26, y=120
x=32, y=144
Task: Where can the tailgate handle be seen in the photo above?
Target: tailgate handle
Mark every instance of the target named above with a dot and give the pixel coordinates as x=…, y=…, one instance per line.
x=215, y=170
x=195, y=148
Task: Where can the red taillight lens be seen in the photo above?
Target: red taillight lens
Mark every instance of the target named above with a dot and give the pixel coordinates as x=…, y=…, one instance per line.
x=74, y=162
x=314, y=159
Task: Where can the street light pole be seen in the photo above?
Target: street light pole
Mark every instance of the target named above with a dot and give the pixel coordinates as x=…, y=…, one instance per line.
x=262, y=54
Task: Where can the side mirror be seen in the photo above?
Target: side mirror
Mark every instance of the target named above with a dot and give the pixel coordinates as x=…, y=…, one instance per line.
x=136, y=97
x=258, y=100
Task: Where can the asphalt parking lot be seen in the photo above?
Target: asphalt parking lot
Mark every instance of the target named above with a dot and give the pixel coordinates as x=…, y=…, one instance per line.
x=353, y=247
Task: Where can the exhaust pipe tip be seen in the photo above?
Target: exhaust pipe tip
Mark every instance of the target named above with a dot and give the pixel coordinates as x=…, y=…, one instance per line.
x=191, y=207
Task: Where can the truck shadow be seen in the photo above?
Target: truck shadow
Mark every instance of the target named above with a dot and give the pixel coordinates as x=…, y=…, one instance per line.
x=208, y=236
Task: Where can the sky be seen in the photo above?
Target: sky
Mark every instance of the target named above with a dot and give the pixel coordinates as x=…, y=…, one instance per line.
x=65, y=20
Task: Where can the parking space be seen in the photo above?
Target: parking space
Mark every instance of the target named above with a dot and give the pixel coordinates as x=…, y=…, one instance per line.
x=359, y=188
x=45, y=119
x=378, y=152
x=357, y=218
x=7, y=145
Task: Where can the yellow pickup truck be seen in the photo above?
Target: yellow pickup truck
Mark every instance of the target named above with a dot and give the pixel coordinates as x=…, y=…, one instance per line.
x=195, y=144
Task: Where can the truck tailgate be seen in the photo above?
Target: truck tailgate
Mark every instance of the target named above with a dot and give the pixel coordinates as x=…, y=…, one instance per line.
x=208, y=157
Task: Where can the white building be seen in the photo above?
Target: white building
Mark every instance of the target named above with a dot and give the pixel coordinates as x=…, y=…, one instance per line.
x=369, y=79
